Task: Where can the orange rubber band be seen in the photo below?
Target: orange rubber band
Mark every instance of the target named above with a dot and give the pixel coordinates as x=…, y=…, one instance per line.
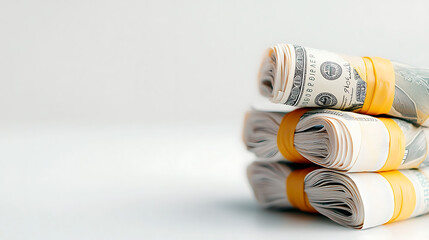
x=286, y=135
x=295, y=190
x=404, y=195
x=380, y=76
x=396, y=145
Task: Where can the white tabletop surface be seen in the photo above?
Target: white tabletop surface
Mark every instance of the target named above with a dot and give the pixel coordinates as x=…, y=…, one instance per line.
x=147, y=182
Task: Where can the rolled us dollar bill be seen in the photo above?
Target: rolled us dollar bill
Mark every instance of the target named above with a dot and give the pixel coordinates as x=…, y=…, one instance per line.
x=364, y=200
x=337, y=139
x=356, y=200
x=307, y=77
x=279, y=185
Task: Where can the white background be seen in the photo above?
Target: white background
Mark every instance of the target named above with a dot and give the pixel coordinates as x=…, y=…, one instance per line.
x=122, y=119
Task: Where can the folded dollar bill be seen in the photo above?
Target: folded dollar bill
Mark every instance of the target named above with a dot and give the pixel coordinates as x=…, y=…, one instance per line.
x=337, y=139
x=356, y=200
x=306, y=77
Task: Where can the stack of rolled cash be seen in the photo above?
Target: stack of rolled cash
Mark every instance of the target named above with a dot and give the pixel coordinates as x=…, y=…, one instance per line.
x=356, y=148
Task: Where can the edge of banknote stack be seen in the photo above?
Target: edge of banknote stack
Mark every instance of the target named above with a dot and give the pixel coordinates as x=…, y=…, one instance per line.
x=356, y=148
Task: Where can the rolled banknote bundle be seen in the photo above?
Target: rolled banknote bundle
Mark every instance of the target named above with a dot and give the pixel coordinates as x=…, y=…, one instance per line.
x=279, y=185
x=336, y=139
x=356, y=200
x=364, y=200
x=306, y=77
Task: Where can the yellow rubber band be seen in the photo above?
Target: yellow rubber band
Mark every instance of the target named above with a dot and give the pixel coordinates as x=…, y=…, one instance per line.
x=404, y=195
x=380, y=86
x=396, y=145
x=370, y=85
x=286, y=135
x=295, y=190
